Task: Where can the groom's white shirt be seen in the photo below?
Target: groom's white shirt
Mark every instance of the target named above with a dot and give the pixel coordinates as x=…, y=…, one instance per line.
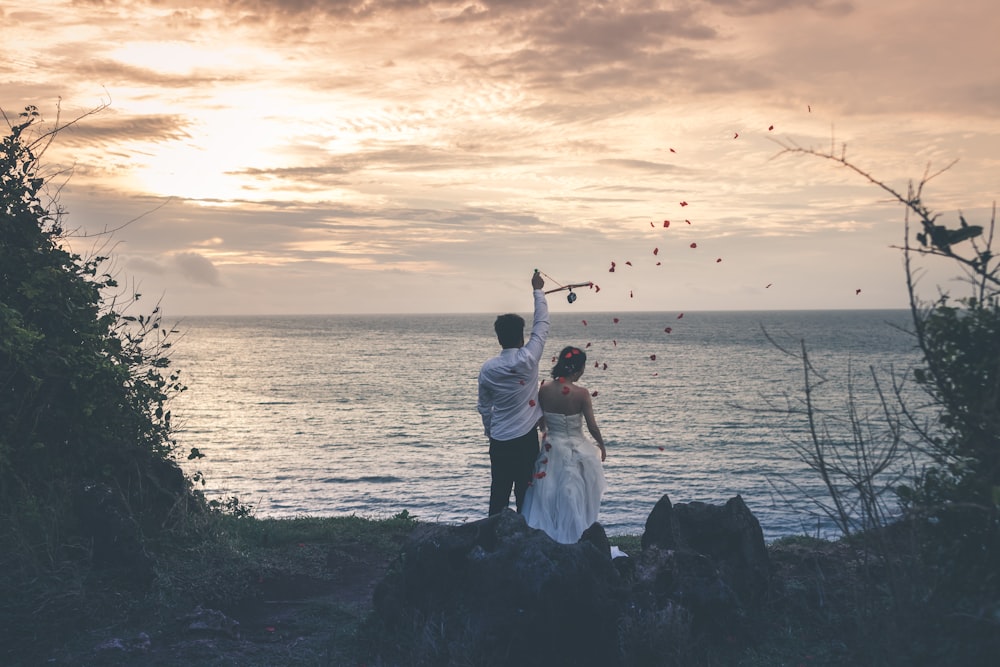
x=508, y=383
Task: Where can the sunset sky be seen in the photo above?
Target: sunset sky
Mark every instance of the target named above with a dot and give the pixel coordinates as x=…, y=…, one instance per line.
x=350, y=156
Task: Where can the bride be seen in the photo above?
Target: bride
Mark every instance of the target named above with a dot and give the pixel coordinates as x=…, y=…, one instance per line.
x=565, y=492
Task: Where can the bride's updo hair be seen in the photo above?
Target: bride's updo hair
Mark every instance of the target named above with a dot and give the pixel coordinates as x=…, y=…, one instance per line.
x=571, y=360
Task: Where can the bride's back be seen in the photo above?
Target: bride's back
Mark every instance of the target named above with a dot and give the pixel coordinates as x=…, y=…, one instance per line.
x=562, y=397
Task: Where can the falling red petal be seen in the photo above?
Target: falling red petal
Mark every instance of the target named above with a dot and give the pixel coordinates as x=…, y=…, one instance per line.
x=586, y=346
x=688, y=221
x=522, y=382
x=597, y=288
x=584, y=322
x=658, y=263
x=539, y=475
x=652, y=357
x=771, y=127
x=694, y=245
x=628, y=263
x=656, y=251
x=666, y=223
x=615, y=320
x=593, y=393
x=736, y=135
x=652, y=224
x=548, y=447
x=630, y=294
x=672, y=150
x=597, y=364
x=718, y=260
x=684, y=203
x=615, y=342
x=680, y=316
x=660, y=448
x=605, y=367
x=531, y=402
x=809, y=107
x=655, y=374
x=768, y=285
x=857, y=291
x=544, y=461
x=668, y=329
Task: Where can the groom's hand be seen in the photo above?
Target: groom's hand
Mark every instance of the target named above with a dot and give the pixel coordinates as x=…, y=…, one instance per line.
x=536, y=280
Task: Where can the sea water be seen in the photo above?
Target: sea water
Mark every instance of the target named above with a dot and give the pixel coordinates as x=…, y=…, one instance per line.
x=371, y=415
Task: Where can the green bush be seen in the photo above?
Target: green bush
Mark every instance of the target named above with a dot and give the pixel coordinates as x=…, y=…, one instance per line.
x=87, y=467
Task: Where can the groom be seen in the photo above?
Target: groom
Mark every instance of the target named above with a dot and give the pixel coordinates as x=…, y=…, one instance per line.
x=508, y=401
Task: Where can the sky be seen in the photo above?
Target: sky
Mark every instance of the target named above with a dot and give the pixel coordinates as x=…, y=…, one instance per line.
x=410, y=156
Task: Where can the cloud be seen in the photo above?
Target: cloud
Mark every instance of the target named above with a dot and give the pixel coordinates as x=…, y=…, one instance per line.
x=197, y=268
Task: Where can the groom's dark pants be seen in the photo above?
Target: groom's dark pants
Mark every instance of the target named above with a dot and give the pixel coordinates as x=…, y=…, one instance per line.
x=512, y=463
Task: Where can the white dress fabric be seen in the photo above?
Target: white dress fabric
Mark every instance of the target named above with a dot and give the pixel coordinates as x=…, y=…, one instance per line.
x=565, y=492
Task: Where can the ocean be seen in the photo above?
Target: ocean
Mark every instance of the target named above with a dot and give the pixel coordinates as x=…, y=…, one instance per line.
x=371, y=415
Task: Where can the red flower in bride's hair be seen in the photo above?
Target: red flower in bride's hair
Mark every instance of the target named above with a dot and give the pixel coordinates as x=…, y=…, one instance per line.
x=568, y=355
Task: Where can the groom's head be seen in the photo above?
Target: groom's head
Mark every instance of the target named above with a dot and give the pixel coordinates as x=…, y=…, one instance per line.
x=510, y=330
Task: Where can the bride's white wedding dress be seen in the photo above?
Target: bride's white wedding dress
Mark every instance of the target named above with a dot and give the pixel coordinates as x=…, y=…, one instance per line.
x=565, y=493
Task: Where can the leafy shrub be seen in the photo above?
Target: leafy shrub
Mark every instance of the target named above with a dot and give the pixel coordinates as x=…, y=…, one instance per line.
x=87, y=463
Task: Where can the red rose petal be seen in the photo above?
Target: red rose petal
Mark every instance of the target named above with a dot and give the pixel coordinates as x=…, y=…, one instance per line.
x=593, y=393
x=615, y=320
x=668, y=329
x=694, y=245
x=652, y=357
x=680, y=316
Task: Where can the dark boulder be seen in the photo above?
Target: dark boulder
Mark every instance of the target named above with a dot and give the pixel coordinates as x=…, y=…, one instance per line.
x=496, y=588
x=710, y=559
x=498, y=592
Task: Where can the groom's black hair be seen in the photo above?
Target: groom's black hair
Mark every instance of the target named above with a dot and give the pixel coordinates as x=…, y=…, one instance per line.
x=510, y=330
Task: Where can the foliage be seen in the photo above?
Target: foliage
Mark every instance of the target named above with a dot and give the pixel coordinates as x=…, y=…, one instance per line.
x=951, y=508
x=87, y=463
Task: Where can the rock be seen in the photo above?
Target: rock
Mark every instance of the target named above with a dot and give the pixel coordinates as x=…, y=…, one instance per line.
x=710, y=559
x=498, y=592
x=499, y=589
